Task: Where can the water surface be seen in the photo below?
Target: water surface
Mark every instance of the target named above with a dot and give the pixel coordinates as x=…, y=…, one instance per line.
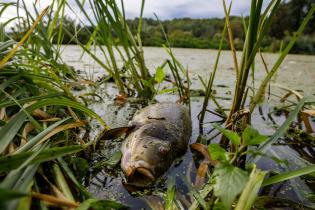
x=297, y=73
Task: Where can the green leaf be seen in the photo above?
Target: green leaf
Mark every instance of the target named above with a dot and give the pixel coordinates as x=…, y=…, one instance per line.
x=168, y=90
x=61, y=182
x=232, y=136
x=148, y=84
x=159, y=75
x=100, y=205
x=252, y=137
x=14, y=161
x=229, y=182
x=251, y=190
x=217, y=152
x=170, y=194
x=258, y=140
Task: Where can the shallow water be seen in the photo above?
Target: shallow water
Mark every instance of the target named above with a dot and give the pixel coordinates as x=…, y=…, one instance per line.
x=297, y=73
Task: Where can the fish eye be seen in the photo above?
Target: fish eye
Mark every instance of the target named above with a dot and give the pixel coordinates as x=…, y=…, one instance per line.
x=163, y=150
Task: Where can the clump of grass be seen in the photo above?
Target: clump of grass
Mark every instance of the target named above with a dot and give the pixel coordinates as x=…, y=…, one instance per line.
x=114, y=39
x=40, y=120
x=256, y=29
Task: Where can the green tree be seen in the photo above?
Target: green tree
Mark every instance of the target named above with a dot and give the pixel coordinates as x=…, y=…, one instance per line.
x=297, y=10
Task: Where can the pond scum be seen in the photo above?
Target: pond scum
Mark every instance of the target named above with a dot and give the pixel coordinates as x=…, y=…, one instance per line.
x=44, y=126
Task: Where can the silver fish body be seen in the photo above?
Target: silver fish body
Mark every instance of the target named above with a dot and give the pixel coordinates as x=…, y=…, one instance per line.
x=161, y=134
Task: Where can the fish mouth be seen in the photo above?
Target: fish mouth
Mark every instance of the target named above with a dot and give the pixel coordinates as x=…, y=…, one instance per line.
x=139, y=176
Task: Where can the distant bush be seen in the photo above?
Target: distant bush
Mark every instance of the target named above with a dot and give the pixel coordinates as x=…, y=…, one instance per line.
x=305, y=44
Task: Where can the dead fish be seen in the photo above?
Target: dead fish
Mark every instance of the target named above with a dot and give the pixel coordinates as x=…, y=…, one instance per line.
x=158, y=135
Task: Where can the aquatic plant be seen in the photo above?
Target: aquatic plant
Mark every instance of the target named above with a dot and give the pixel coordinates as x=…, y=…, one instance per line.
x=230, y=186
x=233, y=173
x=256, y=29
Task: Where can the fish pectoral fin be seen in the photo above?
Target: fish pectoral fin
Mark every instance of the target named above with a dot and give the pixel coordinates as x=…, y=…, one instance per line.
x=117, y=132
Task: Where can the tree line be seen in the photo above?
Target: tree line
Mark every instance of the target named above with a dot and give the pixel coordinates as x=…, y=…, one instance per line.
x=206, y=33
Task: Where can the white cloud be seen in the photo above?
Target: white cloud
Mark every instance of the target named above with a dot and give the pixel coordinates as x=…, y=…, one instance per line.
x=168, y=9
x=165, y=9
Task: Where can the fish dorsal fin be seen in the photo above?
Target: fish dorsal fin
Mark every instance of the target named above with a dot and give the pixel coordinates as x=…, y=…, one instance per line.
x=117, y=132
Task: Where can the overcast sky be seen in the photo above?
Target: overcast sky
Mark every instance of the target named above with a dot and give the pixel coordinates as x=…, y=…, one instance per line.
x=165, y=9
x=168, y=9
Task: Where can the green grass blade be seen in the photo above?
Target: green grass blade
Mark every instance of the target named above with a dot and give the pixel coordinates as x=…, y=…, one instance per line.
x=199, y=198
x=5, y=45
x=261, y=91
x=30, y=99
x=9, y=131
x=8, y=194
x=208, y=88
x=39, y=136
x=70, y=174
x=62, y=183
x=53, y=24
x=264, y=147
x=30, y=117
x=101, y=204
x=203, y=194
x=21, y=42
x=11, y=162
x=289, y=175
x=72, y=104
x=19, y=181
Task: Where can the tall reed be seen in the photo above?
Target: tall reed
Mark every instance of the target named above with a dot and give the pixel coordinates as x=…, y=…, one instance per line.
x=258, y=26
